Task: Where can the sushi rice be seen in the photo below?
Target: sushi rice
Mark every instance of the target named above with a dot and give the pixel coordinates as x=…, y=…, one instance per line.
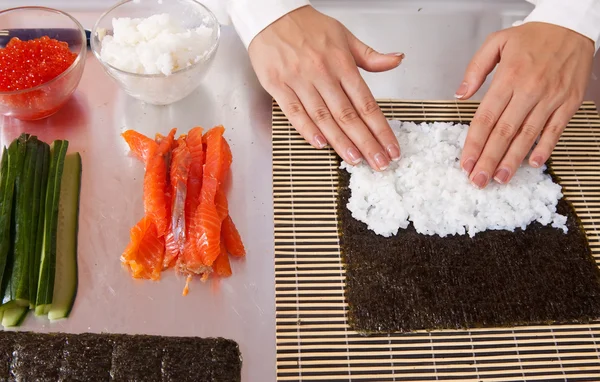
x=427, y=187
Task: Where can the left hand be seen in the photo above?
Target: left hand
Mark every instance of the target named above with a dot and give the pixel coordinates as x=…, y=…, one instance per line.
x=543, y=71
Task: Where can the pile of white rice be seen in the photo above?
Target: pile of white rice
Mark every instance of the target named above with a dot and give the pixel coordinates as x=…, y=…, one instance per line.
x=153, y=45
x=428, y=188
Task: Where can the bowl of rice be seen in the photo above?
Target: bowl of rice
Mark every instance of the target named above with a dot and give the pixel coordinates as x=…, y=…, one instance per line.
x=158, y=51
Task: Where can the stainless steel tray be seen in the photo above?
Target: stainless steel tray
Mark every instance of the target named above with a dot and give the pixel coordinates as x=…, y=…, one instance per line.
x=241, y=307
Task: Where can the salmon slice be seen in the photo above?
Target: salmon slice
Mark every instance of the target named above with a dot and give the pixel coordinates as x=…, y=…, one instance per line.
x=205, y=229
x=199, y=252
x=194, y=182
x=221, y=266
x=226, y=161
x=145, y=251
x=209, y=232
x=194, y=187
x=180, y=166
x=229, y=232
x=171, y=250
x=140, y=145
x=221, y=204
x=232, y=238
x=156, y=195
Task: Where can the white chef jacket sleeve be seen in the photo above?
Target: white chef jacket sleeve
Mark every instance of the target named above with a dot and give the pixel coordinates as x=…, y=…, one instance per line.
x=581, y=16
x=250, y=17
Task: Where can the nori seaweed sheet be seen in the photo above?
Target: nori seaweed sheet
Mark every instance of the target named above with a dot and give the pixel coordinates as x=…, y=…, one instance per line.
x=26, y=356
x=37, y=357
x=139, y=356
x=88, y=357
x=180, y=361
x=7, y=345
x=496, y=279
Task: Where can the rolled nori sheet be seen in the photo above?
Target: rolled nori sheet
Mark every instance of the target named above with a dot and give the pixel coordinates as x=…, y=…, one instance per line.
x=92, y=357
x=498, y=278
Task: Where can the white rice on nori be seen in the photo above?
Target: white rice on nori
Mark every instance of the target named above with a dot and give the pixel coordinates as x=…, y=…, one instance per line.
x=428, y=188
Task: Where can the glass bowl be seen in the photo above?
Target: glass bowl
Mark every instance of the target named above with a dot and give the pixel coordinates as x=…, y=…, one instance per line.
x=159, y=89
x=46, y=99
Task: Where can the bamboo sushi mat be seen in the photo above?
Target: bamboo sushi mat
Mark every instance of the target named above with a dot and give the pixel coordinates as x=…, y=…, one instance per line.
x=314, y=341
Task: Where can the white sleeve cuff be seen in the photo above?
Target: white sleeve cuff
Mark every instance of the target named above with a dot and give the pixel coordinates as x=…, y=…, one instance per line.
x=250, y=17
x=581, y=16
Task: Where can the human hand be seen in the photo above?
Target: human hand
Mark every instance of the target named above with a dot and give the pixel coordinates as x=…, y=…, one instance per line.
x=542, y=74
x=308, y=63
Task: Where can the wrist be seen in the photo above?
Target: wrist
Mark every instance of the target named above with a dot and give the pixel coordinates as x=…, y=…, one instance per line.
x=250, y=17
x=581, y=16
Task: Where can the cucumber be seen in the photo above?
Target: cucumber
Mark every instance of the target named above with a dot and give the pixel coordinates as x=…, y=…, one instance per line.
x=5, y=218
x=11, y=165
x=41, y=181
x=65, y=287
x=45, y=288
x=14, y=316
x=7, y=301
x=19, y=285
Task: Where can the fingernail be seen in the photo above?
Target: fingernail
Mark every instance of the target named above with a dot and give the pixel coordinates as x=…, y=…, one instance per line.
x=320, y=141
x=537, y=161
x=468, y=165
x=354, y=155
x=462, y=90
x=397, y=54
x=393, y=150
x=481, y=179
x=381, y=161
x=502, y=175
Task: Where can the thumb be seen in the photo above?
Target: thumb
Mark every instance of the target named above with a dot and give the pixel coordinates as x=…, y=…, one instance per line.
x=369, y=59
x=482, y=63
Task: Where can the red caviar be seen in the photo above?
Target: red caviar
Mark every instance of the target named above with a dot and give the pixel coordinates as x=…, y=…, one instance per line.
x=26, y=64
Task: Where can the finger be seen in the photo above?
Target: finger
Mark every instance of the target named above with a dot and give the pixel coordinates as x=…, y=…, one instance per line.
x=322, y=117
x=522, y=143
x=482, y=64
x=369, y=59
x=292, y=107
x=551, y=133
x=500, y=139
x=486, y=116
x=369, y=111
x=349, y=121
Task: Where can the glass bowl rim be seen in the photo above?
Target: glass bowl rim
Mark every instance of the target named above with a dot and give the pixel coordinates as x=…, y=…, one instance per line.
x=78, y=59
x=209, y=55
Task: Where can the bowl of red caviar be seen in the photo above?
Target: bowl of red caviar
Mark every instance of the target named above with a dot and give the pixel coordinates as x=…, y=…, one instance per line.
x=40, y=67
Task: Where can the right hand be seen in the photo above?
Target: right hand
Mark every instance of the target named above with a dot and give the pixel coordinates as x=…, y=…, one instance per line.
x=308, y=63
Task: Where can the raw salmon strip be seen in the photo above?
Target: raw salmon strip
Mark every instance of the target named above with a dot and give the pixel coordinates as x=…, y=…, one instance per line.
x=226, y=161
x=145, y=251
x=194, y=183
x=140, y=145
x=220, y=196
x=221, y=266
x=205, y=229
x=194, y=187
x=180, y=166
x=229, y=233
x=171, y=250
x=155, y=186
x=232, y=238
x=221, y=204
